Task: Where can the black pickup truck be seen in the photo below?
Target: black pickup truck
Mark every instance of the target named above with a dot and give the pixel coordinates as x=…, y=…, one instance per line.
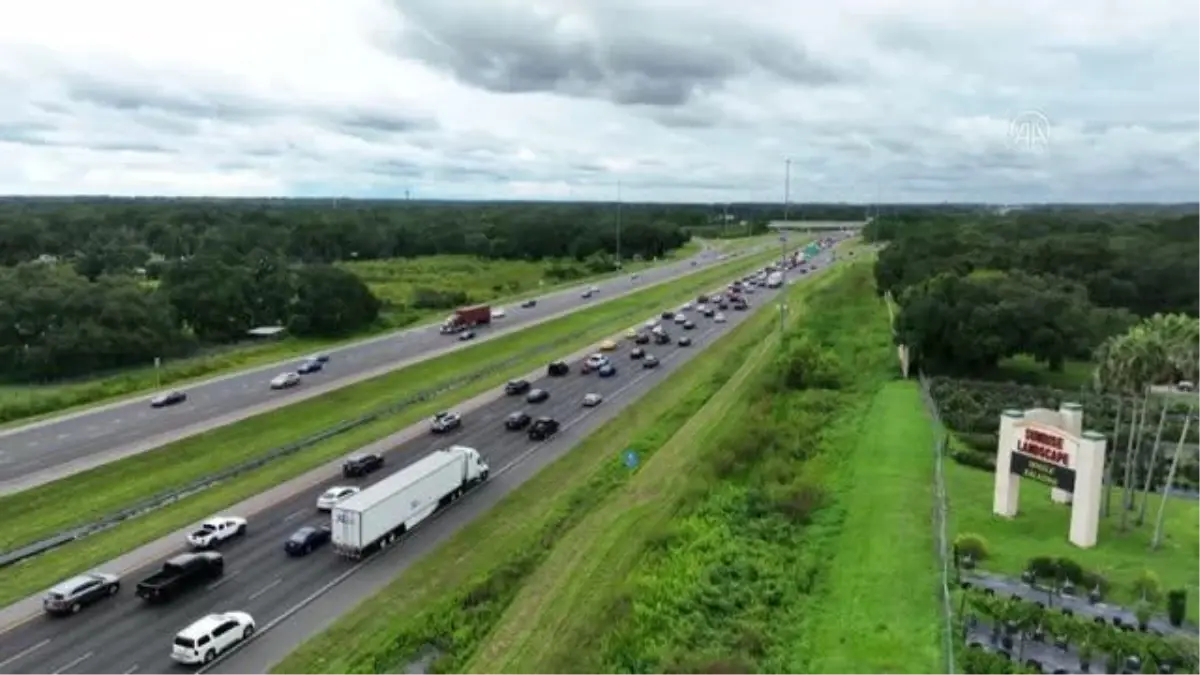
x=179, y=574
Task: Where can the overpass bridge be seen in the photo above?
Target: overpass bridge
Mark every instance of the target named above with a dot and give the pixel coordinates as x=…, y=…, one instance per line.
x=817, y=226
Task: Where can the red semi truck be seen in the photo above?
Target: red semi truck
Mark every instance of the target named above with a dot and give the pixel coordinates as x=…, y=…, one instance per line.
x=467, y=317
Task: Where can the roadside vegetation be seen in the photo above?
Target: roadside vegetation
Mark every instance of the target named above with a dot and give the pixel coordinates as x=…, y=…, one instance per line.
x=731, y=548
x=1043, y=307
x=106, y=489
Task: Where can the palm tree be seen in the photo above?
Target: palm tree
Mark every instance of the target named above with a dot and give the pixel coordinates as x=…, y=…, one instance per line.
x=1185, y=356
x=1162, y=417
x=1181, y=338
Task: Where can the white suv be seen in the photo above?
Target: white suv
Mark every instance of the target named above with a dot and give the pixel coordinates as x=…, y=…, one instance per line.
x=208, y=638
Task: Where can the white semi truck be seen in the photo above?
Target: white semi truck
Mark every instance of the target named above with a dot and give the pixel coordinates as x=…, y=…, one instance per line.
x=774, y=280
x=382, y=513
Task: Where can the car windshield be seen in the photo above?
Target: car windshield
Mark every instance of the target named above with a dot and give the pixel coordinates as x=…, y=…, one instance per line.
x=208, y=527
x=303, y=534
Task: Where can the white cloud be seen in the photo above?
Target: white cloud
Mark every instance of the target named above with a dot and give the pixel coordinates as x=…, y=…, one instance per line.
x=697, y=100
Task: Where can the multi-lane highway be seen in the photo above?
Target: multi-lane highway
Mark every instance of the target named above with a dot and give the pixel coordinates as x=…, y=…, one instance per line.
x=121, y=635
x=57, y=447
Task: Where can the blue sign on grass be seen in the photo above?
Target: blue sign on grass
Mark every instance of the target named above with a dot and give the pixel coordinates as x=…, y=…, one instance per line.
x=631, y=459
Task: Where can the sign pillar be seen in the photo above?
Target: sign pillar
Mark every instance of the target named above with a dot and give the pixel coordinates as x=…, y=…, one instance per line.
x=1050, y=447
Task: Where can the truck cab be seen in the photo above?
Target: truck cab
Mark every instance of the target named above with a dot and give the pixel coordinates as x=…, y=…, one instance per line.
x=179, y=574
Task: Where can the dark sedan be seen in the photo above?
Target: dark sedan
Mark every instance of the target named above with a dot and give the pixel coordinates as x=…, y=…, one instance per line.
x=516, y=387
x=529, y=303
x=468, y=335
x=517, y=421
x=537, y=396
x=306, y=540
x=637, y=353
x=685, y=341
x=361, y=465
x=650, y=361
x=607, y=370
x=310, y=366
x=168, y=399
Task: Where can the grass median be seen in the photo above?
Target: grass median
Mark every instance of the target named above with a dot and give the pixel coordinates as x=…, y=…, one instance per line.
x=394, y=281
x=37, y=513
x=449, y=601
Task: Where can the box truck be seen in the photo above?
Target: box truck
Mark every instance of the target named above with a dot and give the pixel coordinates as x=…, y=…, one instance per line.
x=382, y=513
x=467, y=317
x=774, y=280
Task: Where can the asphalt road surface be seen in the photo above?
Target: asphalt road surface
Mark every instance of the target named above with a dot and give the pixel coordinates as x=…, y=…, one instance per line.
x=122, y=635
x=54, y=448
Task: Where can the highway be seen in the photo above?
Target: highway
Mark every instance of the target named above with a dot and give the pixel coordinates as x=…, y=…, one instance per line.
x=123, y=635
x=54, y=448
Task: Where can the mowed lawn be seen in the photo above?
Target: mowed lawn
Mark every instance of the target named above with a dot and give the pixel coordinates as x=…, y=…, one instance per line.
x=881, y=612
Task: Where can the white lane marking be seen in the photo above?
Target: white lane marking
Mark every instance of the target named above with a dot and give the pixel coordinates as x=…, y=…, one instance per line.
x=132, y=669
x=26, y=652
x=115, y=422
x=74, y=663
x=63, y=436
x=295, y=514
x=226, y=577
x=264, y=589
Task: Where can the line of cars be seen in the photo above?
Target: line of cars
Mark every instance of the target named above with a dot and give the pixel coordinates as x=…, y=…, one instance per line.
x=285, y=380
x=205, y=639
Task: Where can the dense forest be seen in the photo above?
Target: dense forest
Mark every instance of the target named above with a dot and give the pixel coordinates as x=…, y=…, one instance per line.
x=975, y=288
x=95, y=284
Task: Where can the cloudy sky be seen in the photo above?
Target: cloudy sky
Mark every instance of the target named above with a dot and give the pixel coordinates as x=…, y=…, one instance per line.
x=675, y=100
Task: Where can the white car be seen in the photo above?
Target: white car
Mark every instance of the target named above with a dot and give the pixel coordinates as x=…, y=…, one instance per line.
x=592, y=400
x=333, y=495
x=216, y=530
x=208, y=638
x=651, y=323
x=680, y=318
x=593, y=289
x=595, y=361
x=499, y=313
x=719, y=318
x=701, y=307
x=686, y=307
x=285, y=380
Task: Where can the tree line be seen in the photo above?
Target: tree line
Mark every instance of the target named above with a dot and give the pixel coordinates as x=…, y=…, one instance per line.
x=974, y=288
x=88, y=285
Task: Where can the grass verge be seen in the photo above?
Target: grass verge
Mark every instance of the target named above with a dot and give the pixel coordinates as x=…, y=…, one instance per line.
x=451, y=598
x=1041, y=527
x=50, y=508
x=394, y=281
x=739, y=544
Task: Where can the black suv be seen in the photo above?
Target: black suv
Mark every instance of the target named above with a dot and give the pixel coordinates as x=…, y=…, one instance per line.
x=515, y=387
x=688, y=325
x=650, y=361
x=668, y=315
x=641, y=339
x=517, y=421
x=543, y=428
x=637, y=353
x=662, y=339
x=558, y=369
x=361, y=465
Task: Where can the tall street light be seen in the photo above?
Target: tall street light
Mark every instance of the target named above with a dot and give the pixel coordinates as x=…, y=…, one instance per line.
x=618, y=224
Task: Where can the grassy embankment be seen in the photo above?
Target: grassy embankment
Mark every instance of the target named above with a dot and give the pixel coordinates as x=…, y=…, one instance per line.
x=737, y=544
x=85, y=496
x=394, y=281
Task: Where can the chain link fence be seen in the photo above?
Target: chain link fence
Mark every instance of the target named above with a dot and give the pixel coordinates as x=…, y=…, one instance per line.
x=941, y=517
x=171, y=496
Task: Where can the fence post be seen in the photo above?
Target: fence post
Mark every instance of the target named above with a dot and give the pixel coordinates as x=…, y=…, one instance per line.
x=940, y=516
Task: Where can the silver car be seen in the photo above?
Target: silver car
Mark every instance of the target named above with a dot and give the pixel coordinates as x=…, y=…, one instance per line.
x=72, y=595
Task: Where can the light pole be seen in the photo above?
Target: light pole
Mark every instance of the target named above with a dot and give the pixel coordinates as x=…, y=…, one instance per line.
x=787, y=199
x=618, y=224
x=787, y=189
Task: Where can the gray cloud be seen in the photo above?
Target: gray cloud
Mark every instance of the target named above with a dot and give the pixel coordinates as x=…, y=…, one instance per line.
x=639, y=58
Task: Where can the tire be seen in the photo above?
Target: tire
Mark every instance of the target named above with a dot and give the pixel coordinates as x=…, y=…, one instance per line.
x=209, y=656
x=112, y=590
x=241, y=531
x=307, y=550
x=247, y=632
x=483, y=477
x=75, y=608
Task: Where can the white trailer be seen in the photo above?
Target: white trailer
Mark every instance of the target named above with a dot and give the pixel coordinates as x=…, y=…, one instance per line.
x=774, y=280
x=382, y=513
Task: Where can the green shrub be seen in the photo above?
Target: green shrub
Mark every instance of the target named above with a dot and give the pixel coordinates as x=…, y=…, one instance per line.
x=973, y=459
x=983, y=443
x=1069, y=570
x=1093, y=580
x=804, y=364
x=1042, y=567
x=971, y=544
x=1147, y=587
x=1176, y=606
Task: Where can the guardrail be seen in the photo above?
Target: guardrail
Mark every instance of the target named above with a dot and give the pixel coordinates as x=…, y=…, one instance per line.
x=171, y=496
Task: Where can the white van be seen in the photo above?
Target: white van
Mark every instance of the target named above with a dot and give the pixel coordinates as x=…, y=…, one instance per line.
x=208, y=638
